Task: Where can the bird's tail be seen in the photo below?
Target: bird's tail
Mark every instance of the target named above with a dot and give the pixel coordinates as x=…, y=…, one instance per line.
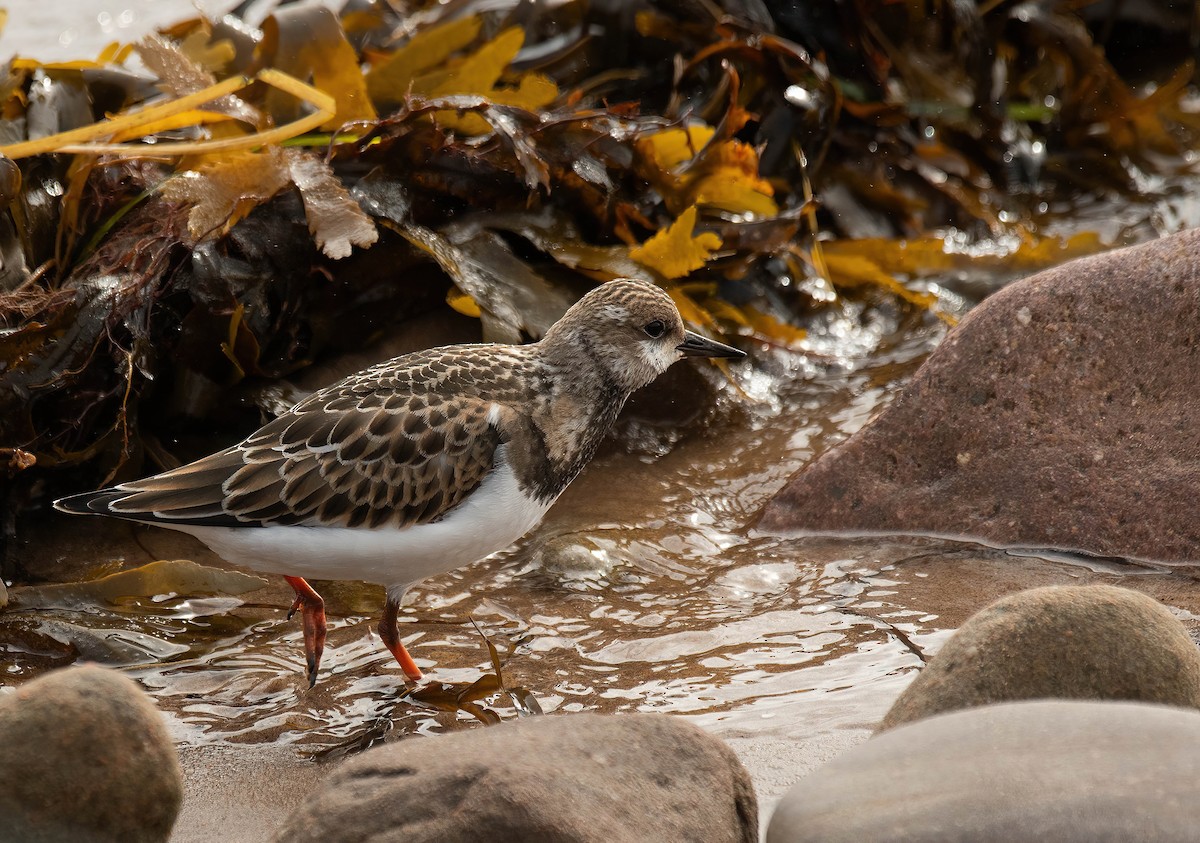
x=90, y=503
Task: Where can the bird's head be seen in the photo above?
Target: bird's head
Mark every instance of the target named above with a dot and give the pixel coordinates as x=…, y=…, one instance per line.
x=632, y=331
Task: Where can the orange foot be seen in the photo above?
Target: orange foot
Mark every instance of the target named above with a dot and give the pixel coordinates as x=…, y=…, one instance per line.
x=390, y=633
x=313, y=607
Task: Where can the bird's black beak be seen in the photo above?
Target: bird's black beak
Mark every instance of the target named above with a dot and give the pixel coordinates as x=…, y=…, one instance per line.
x=694, y=345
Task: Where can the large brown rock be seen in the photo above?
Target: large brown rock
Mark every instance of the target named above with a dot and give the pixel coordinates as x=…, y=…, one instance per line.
x=1073, y=642
x=85, y=758
x=574, y=778
x=1064, y=411
x=1071, y=772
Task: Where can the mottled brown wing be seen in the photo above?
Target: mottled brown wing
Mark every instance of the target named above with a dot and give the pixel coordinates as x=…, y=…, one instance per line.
x=391, y=460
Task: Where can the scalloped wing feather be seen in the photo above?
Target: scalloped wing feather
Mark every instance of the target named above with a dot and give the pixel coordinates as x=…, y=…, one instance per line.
x=399, y=444
x=362, y=475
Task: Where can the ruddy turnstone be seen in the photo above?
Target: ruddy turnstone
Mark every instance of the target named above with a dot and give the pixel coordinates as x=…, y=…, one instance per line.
x=420, y=464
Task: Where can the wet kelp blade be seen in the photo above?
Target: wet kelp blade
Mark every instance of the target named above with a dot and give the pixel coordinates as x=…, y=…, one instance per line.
x=309, y=42
x=454, y=698
x=165, y=576
x=923, y=257
x=515, y=300
x=442, y=696
x=388, y=80
x=676, y=250
x=79, y=141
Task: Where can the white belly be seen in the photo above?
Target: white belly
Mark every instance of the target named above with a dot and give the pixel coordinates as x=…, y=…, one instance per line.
x=494, y=516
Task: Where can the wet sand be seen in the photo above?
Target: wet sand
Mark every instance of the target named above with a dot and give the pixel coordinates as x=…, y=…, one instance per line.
x=241, y=794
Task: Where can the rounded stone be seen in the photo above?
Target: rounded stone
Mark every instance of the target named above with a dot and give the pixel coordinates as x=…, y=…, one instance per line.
x=1074, y=642
x=1068, y=771
x=85, y=756
x=573, y=778
x=1060, y=413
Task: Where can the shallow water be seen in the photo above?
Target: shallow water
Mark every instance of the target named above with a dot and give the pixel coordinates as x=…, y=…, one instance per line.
x=644, y=590
x=641, y=590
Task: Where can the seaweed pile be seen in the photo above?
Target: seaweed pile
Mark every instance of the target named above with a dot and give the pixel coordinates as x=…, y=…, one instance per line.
x=223, y=204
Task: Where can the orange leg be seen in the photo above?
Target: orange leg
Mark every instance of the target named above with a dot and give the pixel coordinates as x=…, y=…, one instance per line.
x=313, y=607
x=390, y=633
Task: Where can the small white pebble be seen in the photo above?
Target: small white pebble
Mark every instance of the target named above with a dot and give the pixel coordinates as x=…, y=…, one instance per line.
x=1024, y=316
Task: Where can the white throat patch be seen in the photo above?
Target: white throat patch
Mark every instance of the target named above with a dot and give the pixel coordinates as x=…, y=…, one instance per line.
x=660, y=355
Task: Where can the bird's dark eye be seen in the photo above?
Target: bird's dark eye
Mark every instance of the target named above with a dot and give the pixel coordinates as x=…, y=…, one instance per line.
x=655, y=328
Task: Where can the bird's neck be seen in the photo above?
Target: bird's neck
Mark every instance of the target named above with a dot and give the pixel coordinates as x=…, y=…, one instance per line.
x=576, y=411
